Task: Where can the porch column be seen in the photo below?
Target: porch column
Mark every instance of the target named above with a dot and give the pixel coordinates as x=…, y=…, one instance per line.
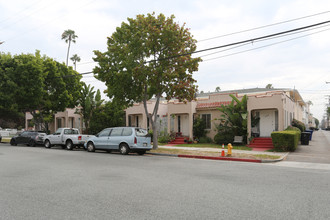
x=191, y=123
x=168, y=124
x=249, y=126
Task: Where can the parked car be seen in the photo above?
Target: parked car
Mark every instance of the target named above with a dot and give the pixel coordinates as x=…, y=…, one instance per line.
x=31, y=138
x=67, y=138
x=122, y=139
x=0, y=138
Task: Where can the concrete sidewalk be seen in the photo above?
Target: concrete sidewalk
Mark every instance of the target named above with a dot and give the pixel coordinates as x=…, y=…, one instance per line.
x=282, y=155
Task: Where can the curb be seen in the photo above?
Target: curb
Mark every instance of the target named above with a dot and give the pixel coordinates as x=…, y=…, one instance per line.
x=221, y=158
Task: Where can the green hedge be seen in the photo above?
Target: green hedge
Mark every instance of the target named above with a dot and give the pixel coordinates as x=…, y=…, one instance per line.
x=286, y=140
x=298, y=124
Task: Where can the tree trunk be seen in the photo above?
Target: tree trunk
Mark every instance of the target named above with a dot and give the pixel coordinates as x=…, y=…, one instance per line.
x=67, y=55
x=155, y=136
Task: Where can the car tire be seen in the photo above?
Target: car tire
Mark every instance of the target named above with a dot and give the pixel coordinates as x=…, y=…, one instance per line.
x=48, y=144
x=124, y=149
x=32, y=143
x=13, y=142
x=90, y=147
x=69, y=145
x=141, y=152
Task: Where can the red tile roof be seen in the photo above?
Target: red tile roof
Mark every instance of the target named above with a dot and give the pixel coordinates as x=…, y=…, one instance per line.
x=212, y=104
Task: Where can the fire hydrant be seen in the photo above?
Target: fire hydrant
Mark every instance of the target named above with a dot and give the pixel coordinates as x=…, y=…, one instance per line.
x=229, y=150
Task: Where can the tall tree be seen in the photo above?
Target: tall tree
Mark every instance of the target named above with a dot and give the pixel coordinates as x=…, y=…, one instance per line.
x=269, y=86
x=37, y=84
x=217, y=89
x=88, y=102
x=69, y=35
x=75, y=58
x=149, y=56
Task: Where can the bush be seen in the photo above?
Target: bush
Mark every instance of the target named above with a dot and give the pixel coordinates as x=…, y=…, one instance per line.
x=199, y=128
x=164, y=137
x=205, y=140
x=224, y=138
x=286, y=140
x=298, y=124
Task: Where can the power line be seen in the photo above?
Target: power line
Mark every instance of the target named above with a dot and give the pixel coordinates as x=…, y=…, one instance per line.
x=241, y=42
x=268, y=45
x=252, y=29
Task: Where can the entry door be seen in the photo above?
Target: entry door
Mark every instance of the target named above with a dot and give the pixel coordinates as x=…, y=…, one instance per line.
x=267, y=122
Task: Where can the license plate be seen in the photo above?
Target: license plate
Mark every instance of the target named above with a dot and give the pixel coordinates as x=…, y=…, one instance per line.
x=145, y=144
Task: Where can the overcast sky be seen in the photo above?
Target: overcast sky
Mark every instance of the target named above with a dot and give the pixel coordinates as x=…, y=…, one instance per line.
x=302, y=63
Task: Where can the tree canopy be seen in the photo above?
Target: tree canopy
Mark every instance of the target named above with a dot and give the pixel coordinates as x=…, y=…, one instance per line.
x=36, y=84
x=149, y=56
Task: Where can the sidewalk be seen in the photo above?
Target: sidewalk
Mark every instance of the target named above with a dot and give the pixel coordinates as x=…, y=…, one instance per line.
x=237, y=155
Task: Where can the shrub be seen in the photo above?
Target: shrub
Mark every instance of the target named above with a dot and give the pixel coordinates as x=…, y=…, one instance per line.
x=286, y=140
x=298, y=124
x=199, y=128
x=205, y=140
x=223, y=138
x=164, y=137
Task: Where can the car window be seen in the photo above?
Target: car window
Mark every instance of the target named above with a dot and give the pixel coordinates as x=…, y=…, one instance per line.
x=58, y=131
x=25, y=134
x=104, y=133
x=116, y=132
x=141, y=132
x=127, y=132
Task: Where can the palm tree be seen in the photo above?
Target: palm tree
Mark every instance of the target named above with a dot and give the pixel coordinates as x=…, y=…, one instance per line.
x=75, y=58
x=68, y=36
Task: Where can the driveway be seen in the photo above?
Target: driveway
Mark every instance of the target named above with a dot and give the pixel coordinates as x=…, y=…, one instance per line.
x=318, y=150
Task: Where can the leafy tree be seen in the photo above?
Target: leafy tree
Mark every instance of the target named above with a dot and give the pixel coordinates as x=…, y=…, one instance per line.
x=108, y=115
x=69, y=35
x=149, y=56
x=75, y=58
x=233, y=121
x=38, y=85
x=269, y=86
x=88, y=103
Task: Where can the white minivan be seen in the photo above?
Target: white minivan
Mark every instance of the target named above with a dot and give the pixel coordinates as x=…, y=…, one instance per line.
x=123, y=139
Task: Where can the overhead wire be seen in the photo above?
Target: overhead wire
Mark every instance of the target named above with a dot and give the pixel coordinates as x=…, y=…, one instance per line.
x=264, y=26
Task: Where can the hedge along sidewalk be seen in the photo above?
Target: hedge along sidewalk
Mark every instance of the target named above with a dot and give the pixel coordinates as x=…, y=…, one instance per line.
x=216, y=152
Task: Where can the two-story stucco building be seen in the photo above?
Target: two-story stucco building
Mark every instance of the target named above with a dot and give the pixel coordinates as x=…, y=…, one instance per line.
x=276, y=109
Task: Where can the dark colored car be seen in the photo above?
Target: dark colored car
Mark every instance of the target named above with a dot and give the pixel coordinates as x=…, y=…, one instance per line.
x=31, y=138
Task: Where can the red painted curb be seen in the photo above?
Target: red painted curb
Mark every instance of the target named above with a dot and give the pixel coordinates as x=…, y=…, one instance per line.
x=220, y=158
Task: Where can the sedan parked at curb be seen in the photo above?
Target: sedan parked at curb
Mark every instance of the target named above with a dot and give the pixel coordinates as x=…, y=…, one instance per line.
x=122, y=139
x=30, y=138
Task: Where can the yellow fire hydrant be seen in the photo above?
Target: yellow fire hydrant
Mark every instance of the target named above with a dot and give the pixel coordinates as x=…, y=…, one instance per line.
x=229, y=150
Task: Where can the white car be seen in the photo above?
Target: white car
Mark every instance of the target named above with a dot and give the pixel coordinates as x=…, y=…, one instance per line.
x=66, y=137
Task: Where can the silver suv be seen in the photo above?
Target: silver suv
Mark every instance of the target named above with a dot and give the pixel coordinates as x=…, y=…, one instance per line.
x=124, y=139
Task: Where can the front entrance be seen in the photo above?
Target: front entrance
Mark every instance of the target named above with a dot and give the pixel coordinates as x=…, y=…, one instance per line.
x=183, y=124
x=267, y=122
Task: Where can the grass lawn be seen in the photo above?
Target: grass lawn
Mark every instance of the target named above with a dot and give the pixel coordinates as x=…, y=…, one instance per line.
x=211, y=145
x=213, y=154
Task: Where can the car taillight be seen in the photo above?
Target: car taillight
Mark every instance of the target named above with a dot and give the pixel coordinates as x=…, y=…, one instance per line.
x=79, y=138
x=135, y=140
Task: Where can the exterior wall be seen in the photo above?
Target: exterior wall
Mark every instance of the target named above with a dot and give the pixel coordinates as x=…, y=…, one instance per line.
x=138, y=111
x=68, y=118
x=283, y=102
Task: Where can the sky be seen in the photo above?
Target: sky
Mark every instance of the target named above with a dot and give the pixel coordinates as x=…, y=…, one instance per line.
x=300, y=61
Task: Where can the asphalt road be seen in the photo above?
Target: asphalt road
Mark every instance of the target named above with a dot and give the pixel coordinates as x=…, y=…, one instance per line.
x=318, y=150
x=39, y=183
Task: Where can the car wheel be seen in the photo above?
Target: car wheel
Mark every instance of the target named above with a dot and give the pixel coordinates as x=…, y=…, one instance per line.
x=124, y=149
x=141, y=152
x=69, y=145
x=90, y=147
x=13, y=142
x=32, y=143
x=47, y=144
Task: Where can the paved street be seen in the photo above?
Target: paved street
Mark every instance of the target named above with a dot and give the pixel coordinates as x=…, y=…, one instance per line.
x=39, y=183
x=318, y=150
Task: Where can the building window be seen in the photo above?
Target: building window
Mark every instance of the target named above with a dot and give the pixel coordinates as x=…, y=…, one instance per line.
x=207, y=119
x=137, y=121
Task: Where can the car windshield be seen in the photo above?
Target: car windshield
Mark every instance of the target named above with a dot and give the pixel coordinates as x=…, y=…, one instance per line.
x=141, y=132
